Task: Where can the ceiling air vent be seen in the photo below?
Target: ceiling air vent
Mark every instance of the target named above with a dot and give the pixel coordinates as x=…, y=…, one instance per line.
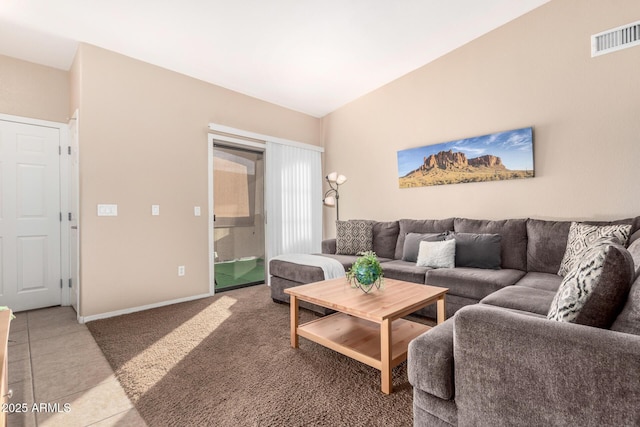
x=615, y=39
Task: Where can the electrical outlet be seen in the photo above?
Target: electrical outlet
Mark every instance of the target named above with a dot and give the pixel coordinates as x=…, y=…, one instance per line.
x=181, y=270
x=155, y=210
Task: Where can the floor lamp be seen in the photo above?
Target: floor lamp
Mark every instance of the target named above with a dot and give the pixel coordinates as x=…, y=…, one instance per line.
x=332, y=195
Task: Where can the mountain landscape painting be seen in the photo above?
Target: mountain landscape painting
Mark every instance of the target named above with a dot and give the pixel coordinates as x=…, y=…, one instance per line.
x=494, y=157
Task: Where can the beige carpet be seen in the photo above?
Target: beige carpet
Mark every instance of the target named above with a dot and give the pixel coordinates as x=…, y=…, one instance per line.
x=227, y=361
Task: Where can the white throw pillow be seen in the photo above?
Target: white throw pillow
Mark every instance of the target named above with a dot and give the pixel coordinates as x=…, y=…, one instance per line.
x=437, y=254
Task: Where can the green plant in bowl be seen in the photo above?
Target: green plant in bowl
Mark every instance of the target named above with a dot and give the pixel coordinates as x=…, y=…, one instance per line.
x=366, y=272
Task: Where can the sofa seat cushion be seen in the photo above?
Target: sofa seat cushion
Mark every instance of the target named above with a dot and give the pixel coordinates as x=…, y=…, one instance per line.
x=475, y=283
x=521, y=298
x=403, y=270
x=430, y=361
x=544, y=281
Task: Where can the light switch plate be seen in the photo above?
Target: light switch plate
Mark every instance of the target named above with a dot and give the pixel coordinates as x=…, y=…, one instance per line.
x=107, y=210
x=155, y=210
x=196, y=210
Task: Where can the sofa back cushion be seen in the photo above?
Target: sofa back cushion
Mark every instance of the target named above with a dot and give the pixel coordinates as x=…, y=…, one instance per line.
x=412, y=244
x=628, y=321
x=547, y=241
x=420, y=226
x=385, y=236
x=634, y=250
x=546, y=244
x=513, y=233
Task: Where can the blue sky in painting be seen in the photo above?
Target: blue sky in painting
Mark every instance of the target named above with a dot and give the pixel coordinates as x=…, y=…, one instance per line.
x=514, y=147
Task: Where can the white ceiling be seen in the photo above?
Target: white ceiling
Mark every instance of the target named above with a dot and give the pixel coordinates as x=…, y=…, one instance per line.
x=310, y=56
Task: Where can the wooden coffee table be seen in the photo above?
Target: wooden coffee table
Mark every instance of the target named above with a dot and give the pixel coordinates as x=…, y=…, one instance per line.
x=368, y=327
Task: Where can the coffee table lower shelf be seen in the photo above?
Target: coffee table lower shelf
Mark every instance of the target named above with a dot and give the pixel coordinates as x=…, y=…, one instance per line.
x=361, y=339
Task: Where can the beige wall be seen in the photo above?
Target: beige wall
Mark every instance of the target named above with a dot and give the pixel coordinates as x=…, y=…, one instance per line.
x=34, y=91
x=535, y=71
x=143, y=141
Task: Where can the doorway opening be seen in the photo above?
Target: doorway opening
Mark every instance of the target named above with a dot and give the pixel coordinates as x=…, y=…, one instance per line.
x=238, y=220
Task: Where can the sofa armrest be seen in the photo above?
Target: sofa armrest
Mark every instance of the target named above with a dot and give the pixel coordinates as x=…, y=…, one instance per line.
x=514, y=369
x=430, y=361
x=329, y=246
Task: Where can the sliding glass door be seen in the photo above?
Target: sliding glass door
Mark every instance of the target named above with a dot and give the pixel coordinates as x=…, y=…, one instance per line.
x=239, y=226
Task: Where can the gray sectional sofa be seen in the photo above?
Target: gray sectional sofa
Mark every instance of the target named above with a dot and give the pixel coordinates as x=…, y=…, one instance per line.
x=466, y=285
x=531, y=252
x=499, y=361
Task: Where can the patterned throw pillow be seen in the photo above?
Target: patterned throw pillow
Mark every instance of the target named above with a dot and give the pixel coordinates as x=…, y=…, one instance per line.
x=353, y=237
x=593, y=292
x=581, y=236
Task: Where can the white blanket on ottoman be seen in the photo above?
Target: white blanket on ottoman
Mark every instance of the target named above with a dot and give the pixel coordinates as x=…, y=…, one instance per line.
x=332, y=268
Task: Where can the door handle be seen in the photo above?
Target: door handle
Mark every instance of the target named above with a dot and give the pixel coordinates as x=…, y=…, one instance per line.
x=74, y=227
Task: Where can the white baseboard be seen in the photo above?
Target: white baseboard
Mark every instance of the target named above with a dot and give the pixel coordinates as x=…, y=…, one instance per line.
x=85, y=319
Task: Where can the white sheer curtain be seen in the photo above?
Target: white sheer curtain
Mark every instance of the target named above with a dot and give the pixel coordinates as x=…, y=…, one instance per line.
x=294, y=200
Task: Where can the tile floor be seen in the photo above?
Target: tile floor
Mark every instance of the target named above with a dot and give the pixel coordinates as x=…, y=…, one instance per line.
x=54, y=359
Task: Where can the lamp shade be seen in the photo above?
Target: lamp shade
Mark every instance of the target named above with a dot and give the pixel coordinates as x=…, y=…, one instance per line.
x=332, y=177
x=329, y=201
x=341, y=179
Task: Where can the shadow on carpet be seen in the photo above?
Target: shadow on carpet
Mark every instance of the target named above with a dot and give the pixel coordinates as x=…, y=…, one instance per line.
x=226, y=361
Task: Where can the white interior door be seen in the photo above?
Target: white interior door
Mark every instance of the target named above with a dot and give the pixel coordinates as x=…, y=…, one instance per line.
x=30, y=216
